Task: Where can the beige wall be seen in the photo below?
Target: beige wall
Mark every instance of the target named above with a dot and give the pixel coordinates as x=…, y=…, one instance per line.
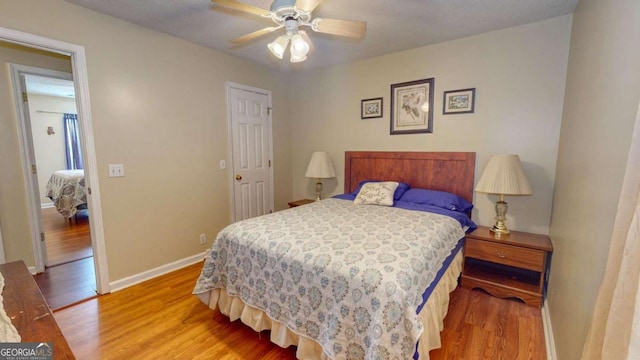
x=158, y=106
x=13, y=202
x=519, y=76
x=49, y=149
x=164, y=118
x=603, y=90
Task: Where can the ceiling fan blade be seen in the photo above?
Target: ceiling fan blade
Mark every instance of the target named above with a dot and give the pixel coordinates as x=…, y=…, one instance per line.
x=307, y=5
x=348, y=28
x=253, y=35
x=236, y=5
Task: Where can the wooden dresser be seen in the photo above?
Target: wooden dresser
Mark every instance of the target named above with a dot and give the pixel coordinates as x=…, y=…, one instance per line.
x=28, y=310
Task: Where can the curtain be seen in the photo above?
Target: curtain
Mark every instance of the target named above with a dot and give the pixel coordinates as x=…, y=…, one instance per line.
x=72, y=142
x=615, y=327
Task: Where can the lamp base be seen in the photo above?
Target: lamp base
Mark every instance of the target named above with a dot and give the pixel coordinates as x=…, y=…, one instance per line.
x=498, y=231
x=500, y=226
x=318, y=190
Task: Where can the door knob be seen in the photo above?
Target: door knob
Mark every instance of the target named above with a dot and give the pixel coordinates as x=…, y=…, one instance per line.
x=238, y=177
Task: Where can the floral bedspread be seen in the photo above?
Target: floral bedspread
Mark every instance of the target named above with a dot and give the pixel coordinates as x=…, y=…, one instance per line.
x=349, y=276
x=68, y=190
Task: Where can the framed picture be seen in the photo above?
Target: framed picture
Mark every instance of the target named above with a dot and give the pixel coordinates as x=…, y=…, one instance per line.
x=412, y=107
x=371, y=108
x=459, y=101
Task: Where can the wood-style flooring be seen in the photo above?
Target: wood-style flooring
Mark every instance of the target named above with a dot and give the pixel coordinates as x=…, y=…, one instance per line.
x=480, y=326
x=72, y=277
x=161, y=319
x=67, y=239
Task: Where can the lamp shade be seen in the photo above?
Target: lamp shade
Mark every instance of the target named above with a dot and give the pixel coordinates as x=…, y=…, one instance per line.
x=299, y=47
x=297, y=59
x=279, y=45
x=320, y=166
x=504, y=175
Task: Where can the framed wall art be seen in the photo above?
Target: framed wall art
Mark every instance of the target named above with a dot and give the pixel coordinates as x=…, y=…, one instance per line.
x=412, y=107
x=459, y=101
x=371, y=108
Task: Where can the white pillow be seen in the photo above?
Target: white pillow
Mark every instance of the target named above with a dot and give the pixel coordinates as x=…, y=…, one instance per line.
x=376, y=193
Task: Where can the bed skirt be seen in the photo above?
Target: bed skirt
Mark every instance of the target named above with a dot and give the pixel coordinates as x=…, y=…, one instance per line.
x=432, y=317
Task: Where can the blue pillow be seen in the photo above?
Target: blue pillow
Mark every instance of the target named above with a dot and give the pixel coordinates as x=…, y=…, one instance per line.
x=441, y=199
x=400, y=190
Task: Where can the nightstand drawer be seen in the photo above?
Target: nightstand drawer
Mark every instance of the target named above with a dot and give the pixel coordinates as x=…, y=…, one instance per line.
x=505, y=254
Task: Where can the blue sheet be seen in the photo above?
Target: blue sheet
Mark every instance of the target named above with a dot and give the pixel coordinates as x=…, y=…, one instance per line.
x=462, y=218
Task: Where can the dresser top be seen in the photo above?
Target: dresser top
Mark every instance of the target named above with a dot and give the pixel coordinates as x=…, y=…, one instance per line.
x=515, y=238
x=28, y=310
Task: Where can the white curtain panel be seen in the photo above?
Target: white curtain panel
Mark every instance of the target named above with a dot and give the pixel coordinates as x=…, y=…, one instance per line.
x=2, y=258
x=634, y=345
x=615, y=327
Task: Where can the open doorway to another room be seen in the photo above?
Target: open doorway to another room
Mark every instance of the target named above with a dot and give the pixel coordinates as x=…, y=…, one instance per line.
x=24, y=232
x=50, y=114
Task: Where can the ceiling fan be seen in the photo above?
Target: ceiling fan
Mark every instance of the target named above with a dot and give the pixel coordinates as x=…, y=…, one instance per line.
x=292, y=15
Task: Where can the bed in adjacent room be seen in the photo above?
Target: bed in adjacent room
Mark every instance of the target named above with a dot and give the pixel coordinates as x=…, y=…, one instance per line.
x=363, y=275
x=67, y=189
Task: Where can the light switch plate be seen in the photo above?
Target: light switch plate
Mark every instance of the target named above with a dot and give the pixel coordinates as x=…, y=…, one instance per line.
x=116, y=170
x=223, y=164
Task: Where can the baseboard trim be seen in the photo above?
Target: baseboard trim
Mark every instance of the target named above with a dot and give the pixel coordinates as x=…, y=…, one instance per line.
x=46, y=205
x=150, y=274
x=549, y=341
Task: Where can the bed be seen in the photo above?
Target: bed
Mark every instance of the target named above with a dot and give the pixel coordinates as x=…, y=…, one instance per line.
x=342, y=281
x=67, y=189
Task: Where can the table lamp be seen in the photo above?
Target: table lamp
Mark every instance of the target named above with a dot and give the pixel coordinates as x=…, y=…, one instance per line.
x=503, y=175
x=320, y=167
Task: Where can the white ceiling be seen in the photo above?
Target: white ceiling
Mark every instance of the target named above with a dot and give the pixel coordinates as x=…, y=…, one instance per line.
x=392, y=25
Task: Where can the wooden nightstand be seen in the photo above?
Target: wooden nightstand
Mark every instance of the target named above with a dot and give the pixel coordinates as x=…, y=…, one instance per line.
x=513, y=265
x=300, y=202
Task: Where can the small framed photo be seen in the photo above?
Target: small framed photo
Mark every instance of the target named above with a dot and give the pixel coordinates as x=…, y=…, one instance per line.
x=412, y=107
x=371, y=108
x=459, y=101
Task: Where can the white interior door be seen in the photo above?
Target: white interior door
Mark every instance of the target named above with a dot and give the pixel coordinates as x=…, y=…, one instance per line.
x=251, y=149
x=32, y=185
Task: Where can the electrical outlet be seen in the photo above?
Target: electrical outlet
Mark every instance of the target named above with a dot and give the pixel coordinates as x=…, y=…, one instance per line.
x=203, y=239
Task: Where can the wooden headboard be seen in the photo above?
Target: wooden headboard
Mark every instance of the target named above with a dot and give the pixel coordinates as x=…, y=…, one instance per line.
x=444, y=171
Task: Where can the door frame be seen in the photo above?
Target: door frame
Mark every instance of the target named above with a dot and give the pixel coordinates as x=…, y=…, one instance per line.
x=230, y=86
x=81, y=84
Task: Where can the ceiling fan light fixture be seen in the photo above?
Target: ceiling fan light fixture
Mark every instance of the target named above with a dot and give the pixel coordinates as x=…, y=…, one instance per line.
x=297, y=59
x=299, y=47
x=279, y=45
x=291, y=26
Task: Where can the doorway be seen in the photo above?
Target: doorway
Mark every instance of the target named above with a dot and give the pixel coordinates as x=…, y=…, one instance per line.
x=50, y=113
x=79, y=69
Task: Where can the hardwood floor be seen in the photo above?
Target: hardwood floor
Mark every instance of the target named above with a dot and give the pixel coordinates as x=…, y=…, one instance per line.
x=160, y=318
x=67, y=240
x=71, y=278
x=67, y=284
x=480, y=326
